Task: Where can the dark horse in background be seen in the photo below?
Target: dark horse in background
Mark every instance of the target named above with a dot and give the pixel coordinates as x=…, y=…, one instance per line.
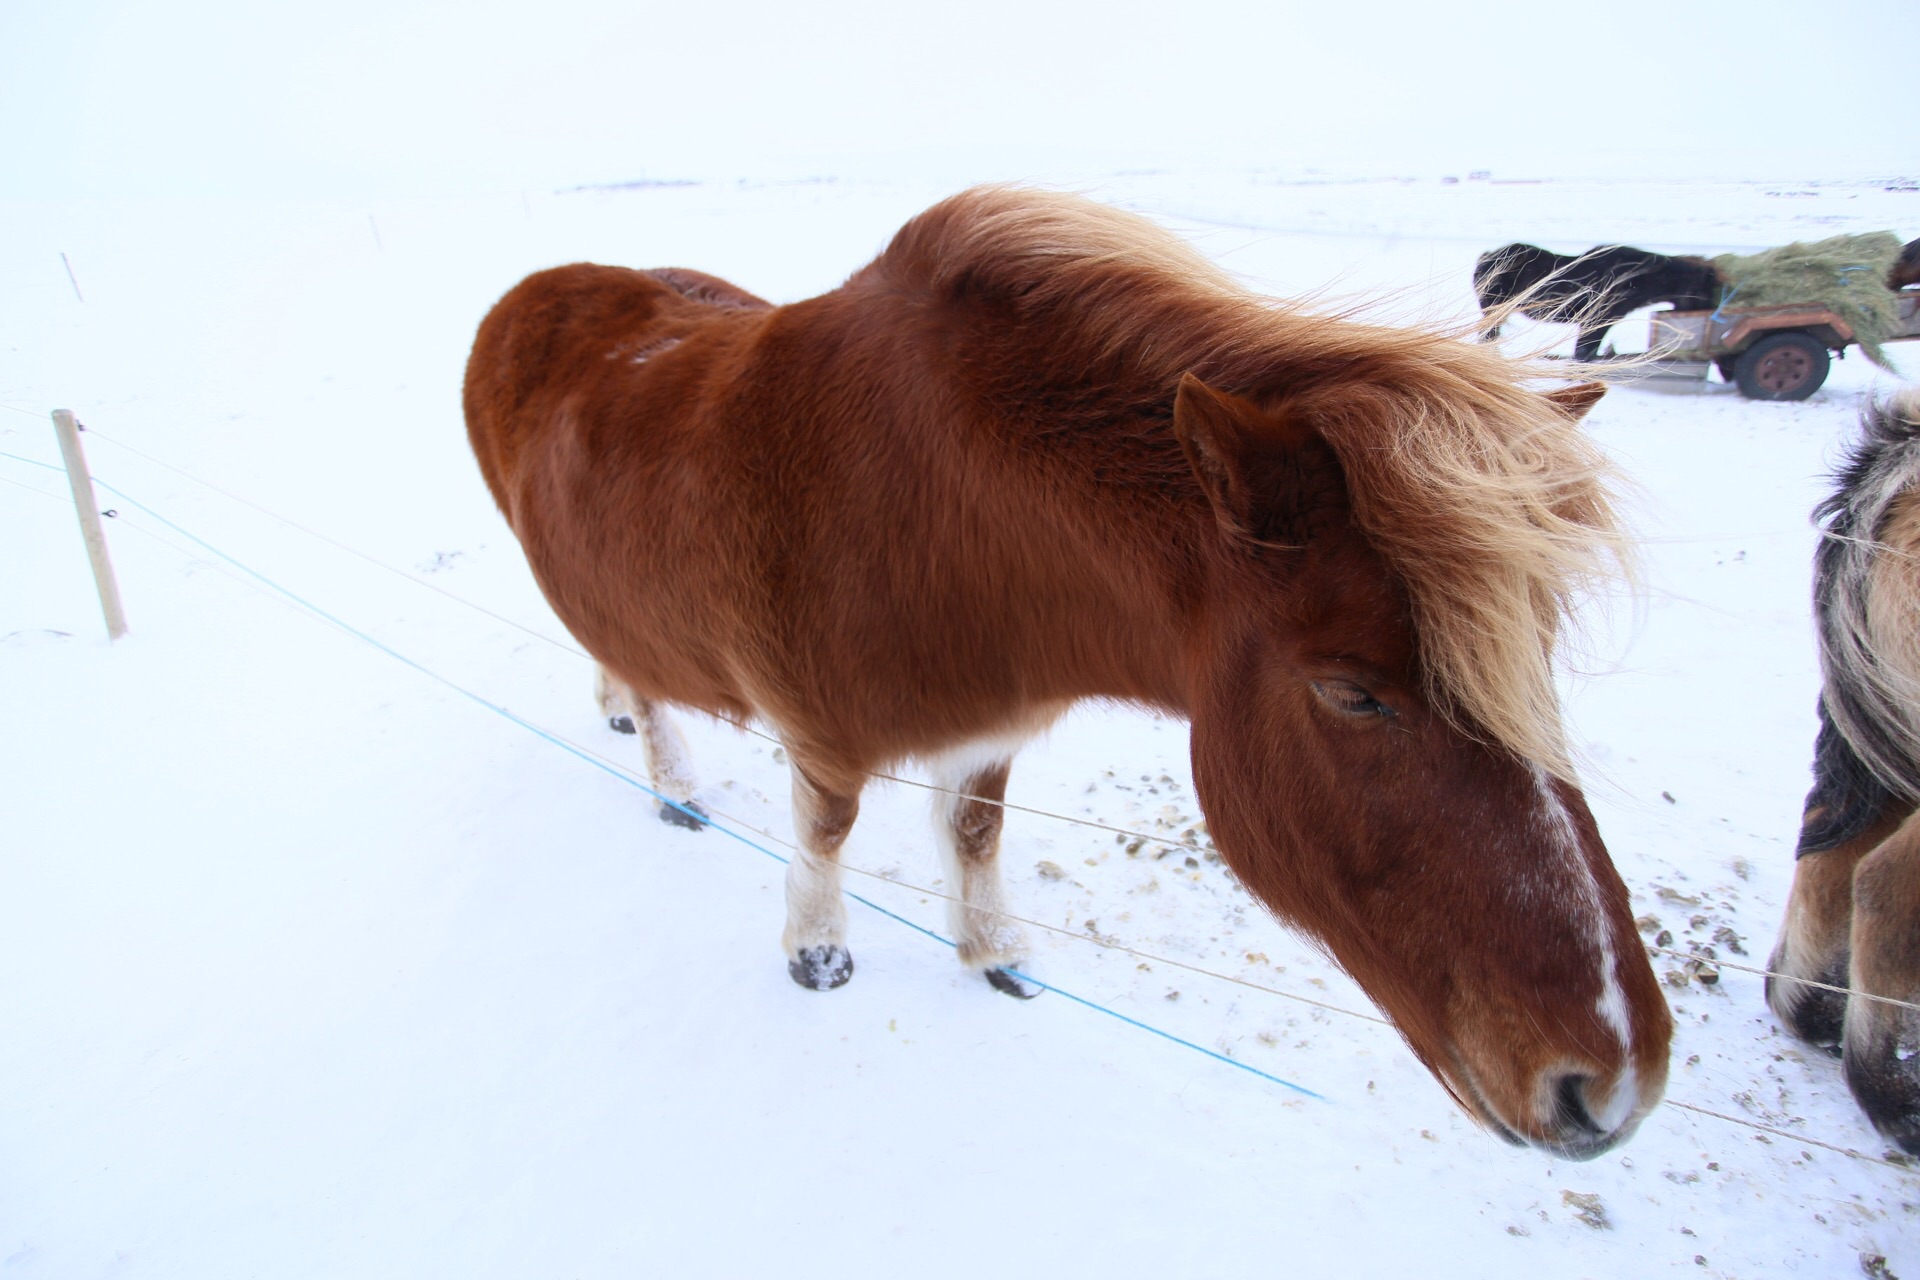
x=1040, y=451
x=1594, y=290
x=1853, y=919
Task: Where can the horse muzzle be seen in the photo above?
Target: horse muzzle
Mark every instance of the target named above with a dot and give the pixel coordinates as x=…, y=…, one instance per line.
x=1572, y=1114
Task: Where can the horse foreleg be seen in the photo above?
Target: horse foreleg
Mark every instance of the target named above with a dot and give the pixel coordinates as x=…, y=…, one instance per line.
x=1813, y=945
x=628, y=712
x=1586, y=345
x=967, y=821
x=816, y=934
x=1813, y=942
x=1882, y=1044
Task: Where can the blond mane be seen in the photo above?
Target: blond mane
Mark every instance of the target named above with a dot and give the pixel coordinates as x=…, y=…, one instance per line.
x=1487, y=499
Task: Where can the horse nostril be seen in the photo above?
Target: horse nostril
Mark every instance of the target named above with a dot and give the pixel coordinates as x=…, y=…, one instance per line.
x=1570, y=1114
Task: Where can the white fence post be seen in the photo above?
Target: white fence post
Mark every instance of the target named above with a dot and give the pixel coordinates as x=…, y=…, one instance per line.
x=84, y=503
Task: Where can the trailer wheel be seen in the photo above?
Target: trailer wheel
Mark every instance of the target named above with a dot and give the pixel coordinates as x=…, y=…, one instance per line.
x=1782, y=366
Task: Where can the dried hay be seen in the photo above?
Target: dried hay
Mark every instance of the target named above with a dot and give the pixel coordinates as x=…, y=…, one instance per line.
x=1845, y=274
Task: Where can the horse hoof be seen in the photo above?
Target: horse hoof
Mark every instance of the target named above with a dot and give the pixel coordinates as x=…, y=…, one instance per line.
x=687, y=814
x=1814, y=1014
x=1012, y=984
x=1888, y=1091
x=821, y=968
x=621, y=724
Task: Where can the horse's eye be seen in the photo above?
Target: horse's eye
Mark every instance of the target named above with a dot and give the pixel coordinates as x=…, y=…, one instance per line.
x=1345, y=696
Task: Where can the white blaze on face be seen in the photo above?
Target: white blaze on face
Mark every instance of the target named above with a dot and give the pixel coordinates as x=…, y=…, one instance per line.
x=1611, y=1007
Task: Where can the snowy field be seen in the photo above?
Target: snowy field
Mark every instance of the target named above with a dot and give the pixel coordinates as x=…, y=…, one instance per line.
x=335, y=942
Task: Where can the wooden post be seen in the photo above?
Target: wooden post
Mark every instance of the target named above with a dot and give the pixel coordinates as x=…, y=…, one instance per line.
x=83, y=501
x=71, y=278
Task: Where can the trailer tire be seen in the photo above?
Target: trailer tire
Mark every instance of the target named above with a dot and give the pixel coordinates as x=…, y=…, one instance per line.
x=1782, y=366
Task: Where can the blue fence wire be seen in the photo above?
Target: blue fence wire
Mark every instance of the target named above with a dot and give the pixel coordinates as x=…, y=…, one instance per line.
x=613, y=771
x=610, y=769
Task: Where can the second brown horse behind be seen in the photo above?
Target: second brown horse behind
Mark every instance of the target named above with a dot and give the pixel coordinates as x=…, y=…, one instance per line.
x=1039, y=451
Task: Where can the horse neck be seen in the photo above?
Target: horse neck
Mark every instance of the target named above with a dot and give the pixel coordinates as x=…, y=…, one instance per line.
x=1109, y=576
x=1057, y=542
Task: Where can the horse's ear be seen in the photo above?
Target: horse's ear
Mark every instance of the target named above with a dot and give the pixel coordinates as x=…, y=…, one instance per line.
x=1576, y=400
x=1212, y=428
x=1258, y=468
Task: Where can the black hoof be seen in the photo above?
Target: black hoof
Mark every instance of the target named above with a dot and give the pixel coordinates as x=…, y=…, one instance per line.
x=821, y=968
x=688, y=815
x=621, y=724
x=1814, y=1014
x=1888, y=1093
x=1012, y=984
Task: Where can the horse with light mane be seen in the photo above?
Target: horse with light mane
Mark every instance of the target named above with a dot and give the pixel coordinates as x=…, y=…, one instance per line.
x=1853, y=918
x=1039, y=451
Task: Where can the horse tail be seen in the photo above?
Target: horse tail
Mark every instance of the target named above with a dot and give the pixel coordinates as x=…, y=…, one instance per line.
x=1867, y=600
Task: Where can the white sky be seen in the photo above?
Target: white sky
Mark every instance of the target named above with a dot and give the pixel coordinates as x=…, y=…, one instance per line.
x=131, y=97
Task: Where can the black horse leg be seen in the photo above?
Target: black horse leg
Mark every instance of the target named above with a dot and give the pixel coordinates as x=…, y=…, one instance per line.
x=1587, y=345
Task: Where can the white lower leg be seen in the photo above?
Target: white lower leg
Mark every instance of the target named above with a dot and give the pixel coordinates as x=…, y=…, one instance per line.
x=615, y=699
x=668, y=763
x=968, y=832
x=666, y=752
x=984, y=935
x=816, y=909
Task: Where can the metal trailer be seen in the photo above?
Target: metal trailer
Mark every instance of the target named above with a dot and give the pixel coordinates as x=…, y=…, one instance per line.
x=1770, y=353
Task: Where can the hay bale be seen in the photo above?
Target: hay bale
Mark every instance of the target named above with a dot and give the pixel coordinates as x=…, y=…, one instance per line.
x=1845, y=274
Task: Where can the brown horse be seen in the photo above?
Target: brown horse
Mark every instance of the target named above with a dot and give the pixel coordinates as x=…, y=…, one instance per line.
x=1853, y=919
x=1040, y=451
x=1906, y=268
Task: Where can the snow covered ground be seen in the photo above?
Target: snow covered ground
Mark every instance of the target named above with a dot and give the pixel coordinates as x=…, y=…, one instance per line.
x=314, y=963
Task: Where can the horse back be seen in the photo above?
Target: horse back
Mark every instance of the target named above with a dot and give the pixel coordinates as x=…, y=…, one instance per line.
x=1641, y=277
x=795, y=513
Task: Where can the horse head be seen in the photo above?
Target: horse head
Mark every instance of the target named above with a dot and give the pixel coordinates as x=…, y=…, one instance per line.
x=1700, y=285
x=1461, y=883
